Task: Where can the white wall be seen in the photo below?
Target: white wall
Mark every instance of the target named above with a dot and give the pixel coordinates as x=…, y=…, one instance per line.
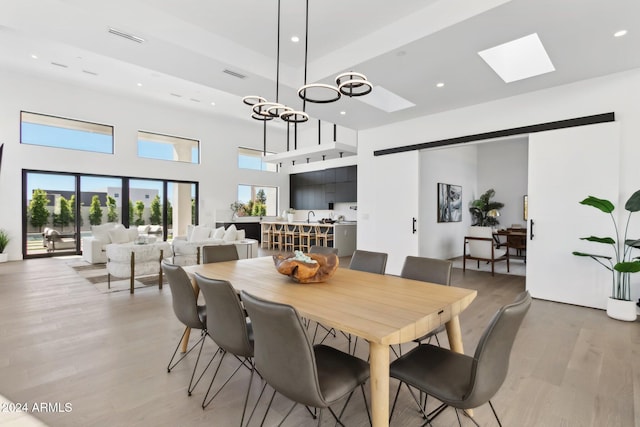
x=503, y=165
x=217, y=174
x=458, y=166
x=594, y=96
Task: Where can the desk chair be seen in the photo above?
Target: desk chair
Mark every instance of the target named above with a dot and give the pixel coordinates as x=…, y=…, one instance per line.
x=187, y=310
x=480, y=244
x=317, y=376
x=457, y=380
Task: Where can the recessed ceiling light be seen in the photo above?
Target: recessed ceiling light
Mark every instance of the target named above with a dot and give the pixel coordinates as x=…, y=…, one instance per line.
x=139, y=84
x=343, y=113
x=518, y=59
x=440, y=84
x=213, y=103
x=34, y=56
x=620, y=33
x=295, y=39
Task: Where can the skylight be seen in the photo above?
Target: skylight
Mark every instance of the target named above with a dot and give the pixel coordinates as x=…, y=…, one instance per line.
x=386, y=100
x=518, y=59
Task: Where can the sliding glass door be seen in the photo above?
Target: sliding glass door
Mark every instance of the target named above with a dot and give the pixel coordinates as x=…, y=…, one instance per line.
x=60, y=208
x=50, y=208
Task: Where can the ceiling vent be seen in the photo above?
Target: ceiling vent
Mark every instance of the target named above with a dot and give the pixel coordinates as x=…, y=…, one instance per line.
x=126, y=35
x=234, y=74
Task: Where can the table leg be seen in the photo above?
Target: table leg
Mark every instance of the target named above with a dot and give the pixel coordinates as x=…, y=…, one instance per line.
x=455, y=341
x=379, y=370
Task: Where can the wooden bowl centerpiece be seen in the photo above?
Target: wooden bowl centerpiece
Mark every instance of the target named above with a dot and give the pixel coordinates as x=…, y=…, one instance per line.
x=306, y=268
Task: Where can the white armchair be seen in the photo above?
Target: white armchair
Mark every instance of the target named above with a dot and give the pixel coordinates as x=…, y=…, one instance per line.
x=481, y=247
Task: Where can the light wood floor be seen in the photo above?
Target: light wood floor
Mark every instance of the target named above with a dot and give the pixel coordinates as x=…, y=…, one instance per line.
x=63, y=342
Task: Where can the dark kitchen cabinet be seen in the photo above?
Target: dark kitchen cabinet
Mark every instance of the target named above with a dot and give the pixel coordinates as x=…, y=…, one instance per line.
x=316, y=189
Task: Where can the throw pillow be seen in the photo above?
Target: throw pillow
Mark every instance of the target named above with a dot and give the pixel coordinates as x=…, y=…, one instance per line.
x=240, y=235
x=119, y=235
x=101, y=232
x=133, y=233
x=218, y=233
x=230, y=234
x=200, y=233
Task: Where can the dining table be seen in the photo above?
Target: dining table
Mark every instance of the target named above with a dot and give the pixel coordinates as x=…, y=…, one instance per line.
x=383, y=309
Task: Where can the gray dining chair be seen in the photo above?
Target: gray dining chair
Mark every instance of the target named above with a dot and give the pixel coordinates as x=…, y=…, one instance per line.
x=371, y=262
x=219, y=253
x=457, y=380
x=316, y=376
x=430, y=270
x=227, y=326
x=187, y=310
x=325, y=250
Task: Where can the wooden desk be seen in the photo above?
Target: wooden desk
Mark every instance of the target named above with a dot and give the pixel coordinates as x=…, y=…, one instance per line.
x=382, y=309
x=517, y=239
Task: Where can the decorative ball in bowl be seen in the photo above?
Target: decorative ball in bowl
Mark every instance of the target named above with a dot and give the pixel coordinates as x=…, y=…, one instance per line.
x=307, y=268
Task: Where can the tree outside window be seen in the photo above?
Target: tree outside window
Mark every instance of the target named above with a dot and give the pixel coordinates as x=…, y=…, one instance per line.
x=112, y=209
x=95, y=211
x=38, y=212
x=155, y=217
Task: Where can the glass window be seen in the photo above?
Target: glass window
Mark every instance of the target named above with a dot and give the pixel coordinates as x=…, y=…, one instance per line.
x=252, y=159
x=50, y=131
x=164, y=147
x=256, y=200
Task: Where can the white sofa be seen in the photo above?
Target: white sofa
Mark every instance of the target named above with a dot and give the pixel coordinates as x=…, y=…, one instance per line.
x=185, y=248
x=94, y=246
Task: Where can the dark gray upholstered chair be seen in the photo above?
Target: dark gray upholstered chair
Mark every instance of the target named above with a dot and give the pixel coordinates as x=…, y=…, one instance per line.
x=315, y=376
x=371, y=262
x=457, y=380
x=227, y=326
x=430, y=270
x=219, y=253
x=325, y=250
x=187, y=310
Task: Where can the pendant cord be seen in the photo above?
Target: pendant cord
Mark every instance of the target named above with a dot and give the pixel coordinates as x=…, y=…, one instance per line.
x=278, y=58
x=306, y=50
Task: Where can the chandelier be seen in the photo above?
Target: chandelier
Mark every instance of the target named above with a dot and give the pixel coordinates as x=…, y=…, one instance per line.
x=349, y=84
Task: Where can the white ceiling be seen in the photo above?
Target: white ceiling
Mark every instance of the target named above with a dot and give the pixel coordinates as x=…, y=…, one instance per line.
x=405, y=46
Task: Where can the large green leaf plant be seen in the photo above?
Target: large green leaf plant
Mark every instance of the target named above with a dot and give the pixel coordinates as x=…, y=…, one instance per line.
x=621, y=264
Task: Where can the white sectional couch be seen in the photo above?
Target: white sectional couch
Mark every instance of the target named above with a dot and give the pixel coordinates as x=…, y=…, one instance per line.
x=185, y=248
x=94, y=246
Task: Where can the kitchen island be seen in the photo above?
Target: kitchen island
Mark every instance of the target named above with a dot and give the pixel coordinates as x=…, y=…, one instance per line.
x=342, y=235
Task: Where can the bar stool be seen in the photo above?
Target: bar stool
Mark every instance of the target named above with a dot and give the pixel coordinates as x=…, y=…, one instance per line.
x=324, y=235
x=307, y=237
x=266, y=241
x=277, y=236
x=291, y=234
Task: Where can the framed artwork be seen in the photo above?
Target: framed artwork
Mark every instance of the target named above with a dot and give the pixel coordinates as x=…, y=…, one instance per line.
x=525, y=207
x=449, y=203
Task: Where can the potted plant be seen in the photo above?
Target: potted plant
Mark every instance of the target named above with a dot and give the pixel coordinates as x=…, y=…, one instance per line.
x=484, y=211
x=621, y=264
x=237, y=208
x=4, y=242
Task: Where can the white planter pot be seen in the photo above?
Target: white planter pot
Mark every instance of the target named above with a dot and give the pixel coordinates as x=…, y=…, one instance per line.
x=621, y=309
x=290, y=217
x=4, y=257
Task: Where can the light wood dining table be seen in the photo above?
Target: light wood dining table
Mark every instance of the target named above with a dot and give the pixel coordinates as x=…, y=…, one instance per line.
x=382, y=309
